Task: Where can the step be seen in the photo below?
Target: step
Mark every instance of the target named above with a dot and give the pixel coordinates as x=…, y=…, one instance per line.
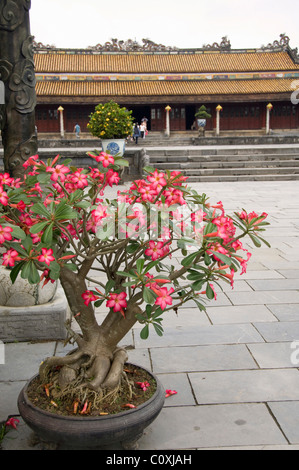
x=241, y=171
x=245, y=164
x=219, y=179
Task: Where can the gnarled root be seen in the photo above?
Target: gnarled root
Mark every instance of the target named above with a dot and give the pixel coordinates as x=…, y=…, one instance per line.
x=103, y=371
x=114, y=372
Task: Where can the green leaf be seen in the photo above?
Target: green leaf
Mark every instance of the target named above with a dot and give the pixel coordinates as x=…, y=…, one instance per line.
x=265, y=241
x=34, y=276
x=15, y=271
x=25, y=270
x=82, y=204
x=109, y=286
x=194, y=275
x=207, y=259
x=196, y=286
x=39, y=227
x=47, y=236
x=18, y=232
x=132, y=247
x=159, y=329
x=64, y=212
x=225, y=259
x=255, y=240
x=201, y=307
x=121, y=163
x=43, y=178
x=144, y=332
x=209, y=292
x=149, y=169
x=189, y=259
x=148, y=296
x=40, y=209
x=54, y=266
x=139, y=265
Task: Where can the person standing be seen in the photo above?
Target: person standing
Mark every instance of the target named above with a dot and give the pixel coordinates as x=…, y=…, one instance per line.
x=142, y=130
x=77, y=130
x=136, y=133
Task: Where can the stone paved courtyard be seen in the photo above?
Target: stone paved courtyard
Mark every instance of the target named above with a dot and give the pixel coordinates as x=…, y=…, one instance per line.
x=233, y=367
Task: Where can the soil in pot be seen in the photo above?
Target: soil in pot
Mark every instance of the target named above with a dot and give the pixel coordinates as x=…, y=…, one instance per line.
x=137, y=387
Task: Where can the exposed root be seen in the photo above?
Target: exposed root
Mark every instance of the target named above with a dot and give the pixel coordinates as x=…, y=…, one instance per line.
x=78, y=392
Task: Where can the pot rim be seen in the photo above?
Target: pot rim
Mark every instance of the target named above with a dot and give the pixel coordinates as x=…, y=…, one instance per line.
x=96, y=418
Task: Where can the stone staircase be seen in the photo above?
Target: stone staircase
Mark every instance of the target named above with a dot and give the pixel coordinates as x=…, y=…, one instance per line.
x=226, y=158
x=230, y=163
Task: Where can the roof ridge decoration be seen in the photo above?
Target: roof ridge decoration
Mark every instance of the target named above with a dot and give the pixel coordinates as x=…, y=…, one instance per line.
x=131, y=46
x=223, y=46
x=283, y=45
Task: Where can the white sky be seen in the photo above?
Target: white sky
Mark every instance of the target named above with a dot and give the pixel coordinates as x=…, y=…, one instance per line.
x=179, y=23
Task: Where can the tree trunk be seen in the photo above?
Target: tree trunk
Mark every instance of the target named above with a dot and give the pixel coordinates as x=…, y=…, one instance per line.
x=98, y=353
x=17, y=113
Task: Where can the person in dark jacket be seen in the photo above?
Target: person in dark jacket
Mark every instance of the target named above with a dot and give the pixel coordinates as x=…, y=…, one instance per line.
x=136, y=133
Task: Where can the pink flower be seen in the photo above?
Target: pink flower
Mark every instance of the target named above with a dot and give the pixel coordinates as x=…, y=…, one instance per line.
x=5, y=234
x=143, y=385
x=12, y=422
x=157, y=179
x=147, y=193
x=155, y=250
x=225, y=226
x=164, y=297
x=46, y=256
x=58, y=171
x=112, y=177
x=168, y=393
x=31, y=161
x=117, y=302
x=10, y=257
x=99, y=213
x=88, y=297
x=105, y=158
x=6, y=179
x=79, y=179
x=3, y=197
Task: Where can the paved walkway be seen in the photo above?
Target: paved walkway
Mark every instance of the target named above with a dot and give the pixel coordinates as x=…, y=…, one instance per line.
x=234, y=368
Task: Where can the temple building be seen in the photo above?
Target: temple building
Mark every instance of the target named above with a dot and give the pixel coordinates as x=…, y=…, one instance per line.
x=146, y=78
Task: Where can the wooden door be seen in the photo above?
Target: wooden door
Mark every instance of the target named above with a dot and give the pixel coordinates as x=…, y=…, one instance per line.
x=177, y=118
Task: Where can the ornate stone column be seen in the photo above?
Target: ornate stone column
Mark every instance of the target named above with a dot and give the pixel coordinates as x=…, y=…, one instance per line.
x=17, y=115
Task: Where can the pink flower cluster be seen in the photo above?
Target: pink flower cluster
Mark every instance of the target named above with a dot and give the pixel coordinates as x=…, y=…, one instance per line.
x=115, y=301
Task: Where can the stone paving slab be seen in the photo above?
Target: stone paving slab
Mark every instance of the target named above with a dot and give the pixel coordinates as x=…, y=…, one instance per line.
x=245, y=386
x=22, y=360
x=279, y=331
x=212, y=334
x=201, y=358
x=272, y=355
x=264, y=297
x=240, y=314
x=285, y=312
x=287, y=415
x=213, y=425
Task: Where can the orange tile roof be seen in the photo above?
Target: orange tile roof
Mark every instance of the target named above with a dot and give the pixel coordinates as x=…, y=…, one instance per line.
x=163, y=88
x=210, y=62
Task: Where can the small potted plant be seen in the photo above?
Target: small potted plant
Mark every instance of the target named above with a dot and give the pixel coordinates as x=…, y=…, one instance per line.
x=202, y=115
x=57, y=225
x=112, y=124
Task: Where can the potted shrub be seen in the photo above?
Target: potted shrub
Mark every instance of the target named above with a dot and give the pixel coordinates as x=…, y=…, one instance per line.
x=58, y=225
x=202, y=115
x=112, y=124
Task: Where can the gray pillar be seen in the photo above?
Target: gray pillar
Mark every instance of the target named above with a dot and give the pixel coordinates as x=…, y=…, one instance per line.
x=17, y=115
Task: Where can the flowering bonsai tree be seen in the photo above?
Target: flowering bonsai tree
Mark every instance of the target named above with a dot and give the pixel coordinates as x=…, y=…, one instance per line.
x=57, y=224
x=110, y=121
